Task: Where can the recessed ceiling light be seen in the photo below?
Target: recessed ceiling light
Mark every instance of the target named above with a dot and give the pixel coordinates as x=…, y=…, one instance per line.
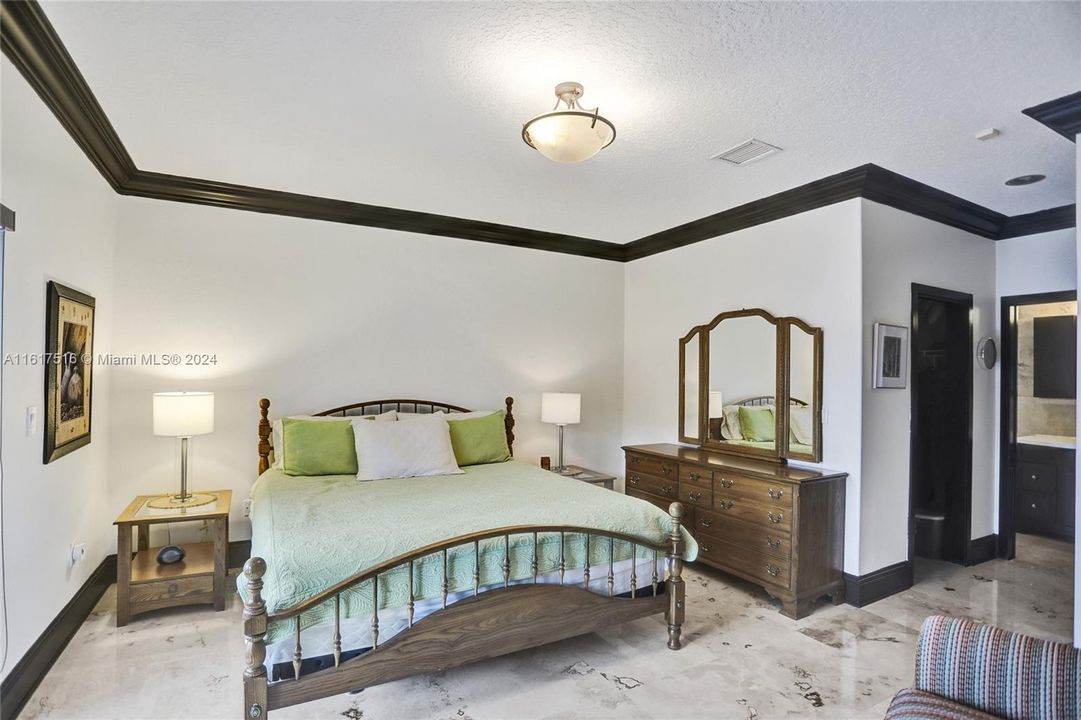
x=1025, y=180
x=570, y=135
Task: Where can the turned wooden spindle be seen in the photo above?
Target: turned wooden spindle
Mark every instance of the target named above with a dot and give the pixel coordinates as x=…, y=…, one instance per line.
x=508, y=423
x=676, y=587
x=264, y=436
x=255, y=624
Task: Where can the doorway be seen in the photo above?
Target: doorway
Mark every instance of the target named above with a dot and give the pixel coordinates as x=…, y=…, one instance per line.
x=940, y=490
x=1037, y=421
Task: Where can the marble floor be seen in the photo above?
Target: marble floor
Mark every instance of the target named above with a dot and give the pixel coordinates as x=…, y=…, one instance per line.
x=741, y=659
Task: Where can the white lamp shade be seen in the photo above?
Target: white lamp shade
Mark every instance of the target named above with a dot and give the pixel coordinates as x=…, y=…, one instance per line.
x=183, y=414
x=716, y=404
x=561, y=408
x=568, y=137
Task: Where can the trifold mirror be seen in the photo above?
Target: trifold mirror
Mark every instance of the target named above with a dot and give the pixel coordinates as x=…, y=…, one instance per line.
x=751, y=384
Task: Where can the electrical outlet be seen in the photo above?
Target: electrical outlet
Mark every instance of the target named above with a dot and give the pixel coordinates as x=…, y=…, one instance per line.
x=247, y=508
x=76, y=552
x=31, y=420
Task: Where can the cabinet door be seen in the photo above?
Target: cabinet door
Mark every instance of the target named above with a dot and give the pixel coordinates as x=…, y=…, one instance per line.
x=1066, y=482
x=1036, y=513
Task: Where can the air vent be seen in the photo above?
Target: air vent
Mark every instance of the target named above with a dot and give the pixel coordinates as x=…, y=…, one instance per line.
x=747, y=152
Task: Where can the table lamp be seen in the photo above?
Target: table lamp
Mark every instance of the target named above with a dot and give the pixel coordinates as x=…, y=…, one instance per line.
x=715, y=413
x=183, y=415
x=561, y=409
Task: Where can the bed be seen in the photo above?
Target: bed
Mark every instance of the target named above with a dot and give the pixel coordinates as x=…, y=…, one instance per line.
x=352, y=584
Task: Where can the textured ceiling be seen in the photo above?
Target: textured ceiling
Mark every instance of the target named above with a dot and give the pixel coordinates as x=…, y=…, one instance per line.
x=420, y=105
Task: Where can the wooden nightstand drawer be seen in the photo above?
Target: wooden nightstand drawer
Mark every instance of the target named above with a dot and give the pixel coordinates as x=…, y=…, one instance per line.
x=166, y=593
x=652, y=484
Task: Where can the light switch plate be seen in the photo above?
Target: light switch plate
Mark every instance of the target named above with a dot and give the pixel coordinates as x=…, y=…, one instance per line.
x=247, y=508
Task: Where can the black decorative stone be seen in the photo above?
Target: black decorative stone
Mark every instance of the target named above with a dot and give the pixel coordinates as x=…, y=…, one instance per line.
x=171, y=554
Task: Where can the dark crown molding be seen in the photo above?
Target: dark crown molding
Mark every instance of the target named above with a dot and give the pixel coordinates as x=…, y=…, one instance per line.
x=1063, y=115
x=29, y=40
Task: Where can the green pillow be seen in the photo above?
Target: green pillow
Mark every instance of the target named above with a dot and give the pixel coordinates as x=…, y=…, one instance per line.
x=313, y=447
x=757, y=424
x=479, y=440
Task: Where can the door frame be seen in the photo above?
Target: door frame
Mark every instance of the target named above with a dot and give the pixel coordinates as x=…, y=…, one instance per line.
x=960, y=298
x=1006, y=546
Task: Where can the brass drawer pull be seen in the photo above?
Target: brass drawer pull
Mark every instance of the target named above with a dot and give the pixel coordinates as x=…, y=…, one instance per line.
x=773, y=569
x=779, y=517
x=635, y=459
x=775, y=544
x=172, y=589
x=706, y=523
x=666, y=470
x=726, y=483
x=776, y=494
x=634, y=479
x=694, y=496
x=706, y=548
x=694, y=476
x=725, y=504
x=667, y=490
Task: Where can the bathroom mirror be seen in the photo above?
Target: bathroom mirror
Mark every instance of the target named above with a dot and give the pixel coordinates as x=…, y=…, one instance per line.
x=740, y=382
x=690, y=389
x=803, y=377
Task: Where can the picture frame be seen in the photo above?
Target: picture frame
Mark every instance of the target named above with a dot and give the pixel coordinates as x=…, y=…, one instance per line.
x=889, y=356
x=69, y=364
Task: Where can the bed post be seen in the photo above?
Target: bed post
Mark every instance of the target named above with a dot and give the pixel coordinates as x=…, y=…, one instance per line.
x=676, y=588
x=508, y=423
x=255, y=682
x=264, y=436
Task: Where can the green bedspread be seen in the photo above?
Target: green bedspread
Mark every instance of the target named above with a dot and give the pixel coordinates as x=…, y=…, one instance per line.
x=314, y=532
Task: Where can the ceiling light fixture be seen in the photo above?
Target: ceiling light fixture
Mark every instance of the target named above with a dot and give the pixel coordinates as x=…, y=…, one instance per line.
x=569, y=135
x=1025, y=180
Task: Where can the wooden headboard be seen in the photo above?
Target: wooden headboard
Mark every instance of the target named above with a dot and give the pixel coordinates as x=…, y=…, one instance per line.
x=374, y=407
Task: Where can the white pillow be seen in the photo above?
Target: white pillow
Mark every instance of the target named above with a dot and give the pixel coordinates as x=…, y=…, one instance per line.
x=417, y=448
x=730, y=428
x=451, y=417
x=800, y=420
x=276, y=442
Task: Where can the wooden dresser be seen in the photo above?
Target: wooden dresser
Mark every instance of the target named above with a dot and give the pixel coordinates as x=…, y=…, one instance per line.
x=778, y=526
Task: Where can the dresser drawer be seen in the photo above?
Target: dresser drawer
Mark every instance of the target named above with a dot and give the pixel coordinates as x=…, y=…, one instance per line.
x=658, y=501
x=744, y=534
x=696, y=476
x=652, y=466
x=774, y=494
x=779, y=519
x=696, y=495
x=652, y=484
x=769, y=569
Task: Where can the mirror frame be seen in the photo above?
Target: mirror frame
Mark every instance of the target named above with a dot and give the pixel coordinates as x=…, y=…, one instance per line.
x=815, y=402
x=683, y=342
x=776, y=454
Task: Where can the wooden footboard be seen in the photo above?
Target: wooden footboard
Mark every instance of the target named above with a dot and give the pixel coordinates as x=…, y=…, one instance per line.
x=488, y=624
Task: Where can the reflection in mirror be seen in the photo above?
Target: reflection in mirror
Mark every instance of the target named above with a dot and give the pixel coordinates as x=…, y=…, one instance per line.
x=689, y=430
x=742, y=383
x=801, y=391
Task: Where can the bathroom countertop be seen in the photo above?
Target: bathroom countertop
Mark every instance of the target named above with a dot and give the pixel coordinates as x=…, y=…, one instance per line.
x=1066, y=442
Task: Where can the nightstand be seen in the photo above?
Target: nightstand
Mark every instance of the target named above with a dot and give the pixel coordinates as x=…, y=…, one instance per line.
x=143, y=585
x=590, y=476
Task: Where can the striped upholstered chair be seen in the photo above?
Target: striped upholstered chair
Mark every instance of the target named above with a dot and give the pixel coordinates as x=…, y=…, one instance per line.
x=969, y=671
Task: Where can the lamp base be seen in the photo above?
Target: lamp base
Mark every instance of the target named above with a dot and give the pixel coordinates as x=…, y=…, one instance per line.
x=172, y=502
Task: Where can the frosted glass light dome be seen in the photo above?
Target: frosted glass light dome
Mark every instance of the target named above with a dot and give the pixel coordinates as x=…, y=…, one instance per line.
x=570, y=135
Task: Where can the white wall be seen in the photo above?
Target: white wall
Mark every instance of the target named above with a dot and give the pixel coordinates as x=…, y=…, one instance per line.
x=1036, y=263
x=314, y=315
x=807, y=265
x=900, y=249
x=65, y=232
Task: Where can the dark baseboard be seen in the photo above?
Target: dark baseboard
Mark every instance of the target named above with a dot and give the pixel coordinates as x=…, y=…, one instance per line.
x=982, y=549
x=25, y=676
x=861, y=590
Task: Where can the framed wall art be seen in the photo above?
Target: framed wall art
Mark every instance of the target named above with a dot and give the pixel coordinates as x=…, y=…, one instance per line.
x=69, y=354
x=889, y=356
